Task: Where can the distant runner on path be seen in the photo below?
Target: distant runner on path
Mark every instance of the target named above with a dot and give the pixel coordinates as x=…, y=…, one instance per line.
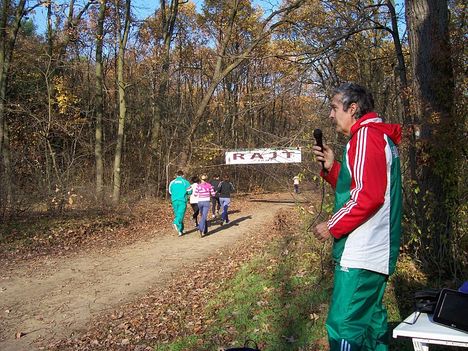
x=296, y=181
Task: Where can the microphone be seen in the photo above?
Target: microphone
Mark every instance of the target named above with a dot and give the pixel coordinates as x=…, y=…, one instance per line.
x=319, y=142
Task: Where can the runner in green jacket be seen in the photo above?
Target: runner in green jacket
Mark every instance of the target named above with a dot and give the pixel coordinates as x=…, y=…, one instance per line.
x=179, y=188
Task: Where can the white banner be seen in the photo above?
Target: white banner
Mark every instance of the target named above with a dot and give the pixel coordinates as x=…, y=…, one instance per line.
x=257, y=156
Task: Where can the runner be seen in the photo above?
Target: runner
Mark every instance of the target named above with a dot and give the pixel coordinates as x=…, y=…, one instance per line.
x=215, y=204
x=179, y=188
x=194, y=200
x=225, y=188
x=204, y=191
x=296, y=181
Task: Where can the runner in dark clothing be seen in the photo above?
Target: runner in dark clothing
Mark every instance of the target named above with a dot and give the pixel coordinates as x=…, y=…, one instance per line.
x=225, y=188
x=215, y=203
x=194, y=200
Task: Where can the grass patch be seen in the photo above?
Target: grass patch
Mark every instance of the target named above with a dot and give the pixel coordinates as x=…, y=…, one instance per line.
x=279, y=300
x=187, y=343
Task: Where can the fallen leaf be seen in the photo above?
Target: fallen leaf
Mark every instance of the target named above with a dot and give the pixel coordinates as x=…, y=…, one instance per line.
x=314, y=316
x=19, y=335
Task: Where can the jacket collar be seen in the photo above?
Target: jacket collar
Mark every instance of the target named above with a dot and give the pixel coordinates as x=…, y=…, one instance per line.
x=372, y=120
x=371, y=117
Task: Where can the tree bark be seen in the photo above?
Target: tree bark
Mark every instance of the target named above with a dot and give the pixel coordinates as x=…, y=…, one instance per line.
x=8, y=34
x=123, y=37
x=99, y=103
x=433, y=89
x=403, y=78
x=168, y=19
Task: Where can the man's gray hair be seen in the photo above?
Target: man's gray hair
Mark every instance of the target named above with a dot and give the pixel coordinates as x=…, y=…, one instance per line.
x=354, y=93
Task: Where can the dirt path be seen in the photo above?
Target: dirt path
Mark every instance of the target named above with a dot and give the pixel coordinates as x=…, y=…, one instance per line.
x=54, y=297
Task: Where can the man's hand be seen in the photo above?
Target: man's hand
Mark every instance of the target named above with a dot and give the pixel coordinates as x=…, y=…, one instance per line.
x=327, y=156
x=321, y=231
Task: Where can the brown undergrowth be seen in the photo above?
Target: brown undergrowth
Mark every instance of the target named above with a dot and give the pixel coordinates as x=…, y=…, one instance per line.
x=38, y=235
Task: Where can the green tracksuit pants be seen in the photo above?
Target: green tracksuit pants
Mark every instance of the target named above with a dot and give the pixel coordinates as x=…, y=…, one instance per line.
x=179, y=208
x=357, y=319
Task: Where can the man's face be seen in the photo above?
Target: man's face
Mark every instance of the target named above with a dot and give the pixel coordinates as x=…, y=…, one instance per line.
x=343, y=120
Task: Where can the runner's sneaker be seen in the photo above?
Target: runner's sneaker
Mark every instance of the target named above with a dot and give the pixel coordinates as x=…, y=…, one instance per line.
x=175, y=227
x=181, y=233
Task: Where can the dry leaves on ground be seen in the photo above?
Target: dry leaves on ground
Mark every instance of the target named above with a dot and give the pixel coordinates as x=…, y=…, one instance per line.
x=178, y=310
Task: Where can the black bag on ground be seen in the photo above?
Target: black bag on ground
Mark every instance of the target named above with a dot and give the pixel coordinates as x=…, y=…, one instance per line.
x=246, y=347
x=425, y=300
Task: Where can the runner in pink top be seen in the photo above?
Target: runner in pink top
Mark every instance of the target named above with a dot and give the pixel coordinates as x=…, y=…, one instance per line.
x=204, y=191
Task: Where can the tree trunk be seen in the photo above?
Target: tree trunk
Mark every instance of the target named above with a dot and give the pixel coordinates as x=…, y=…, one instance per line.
x=8, y=33
x=168, y=19
x=433, y=89
x=99, y=104
x=402, y=75
x=123, y=37
x=7, y=181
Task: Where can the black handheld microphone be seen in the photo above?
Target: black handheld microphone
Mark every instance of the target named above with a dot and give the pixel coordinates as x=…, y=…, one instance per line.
x=319, y=142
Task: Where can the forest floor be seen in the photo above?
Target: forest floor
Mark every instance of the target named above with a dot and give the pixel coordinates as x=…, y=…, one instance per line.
x=84, y=273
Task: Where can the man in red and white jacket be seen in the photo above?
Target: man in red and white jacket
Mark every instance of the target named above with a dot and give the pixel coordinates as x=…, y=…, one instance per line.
x=366, y=223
